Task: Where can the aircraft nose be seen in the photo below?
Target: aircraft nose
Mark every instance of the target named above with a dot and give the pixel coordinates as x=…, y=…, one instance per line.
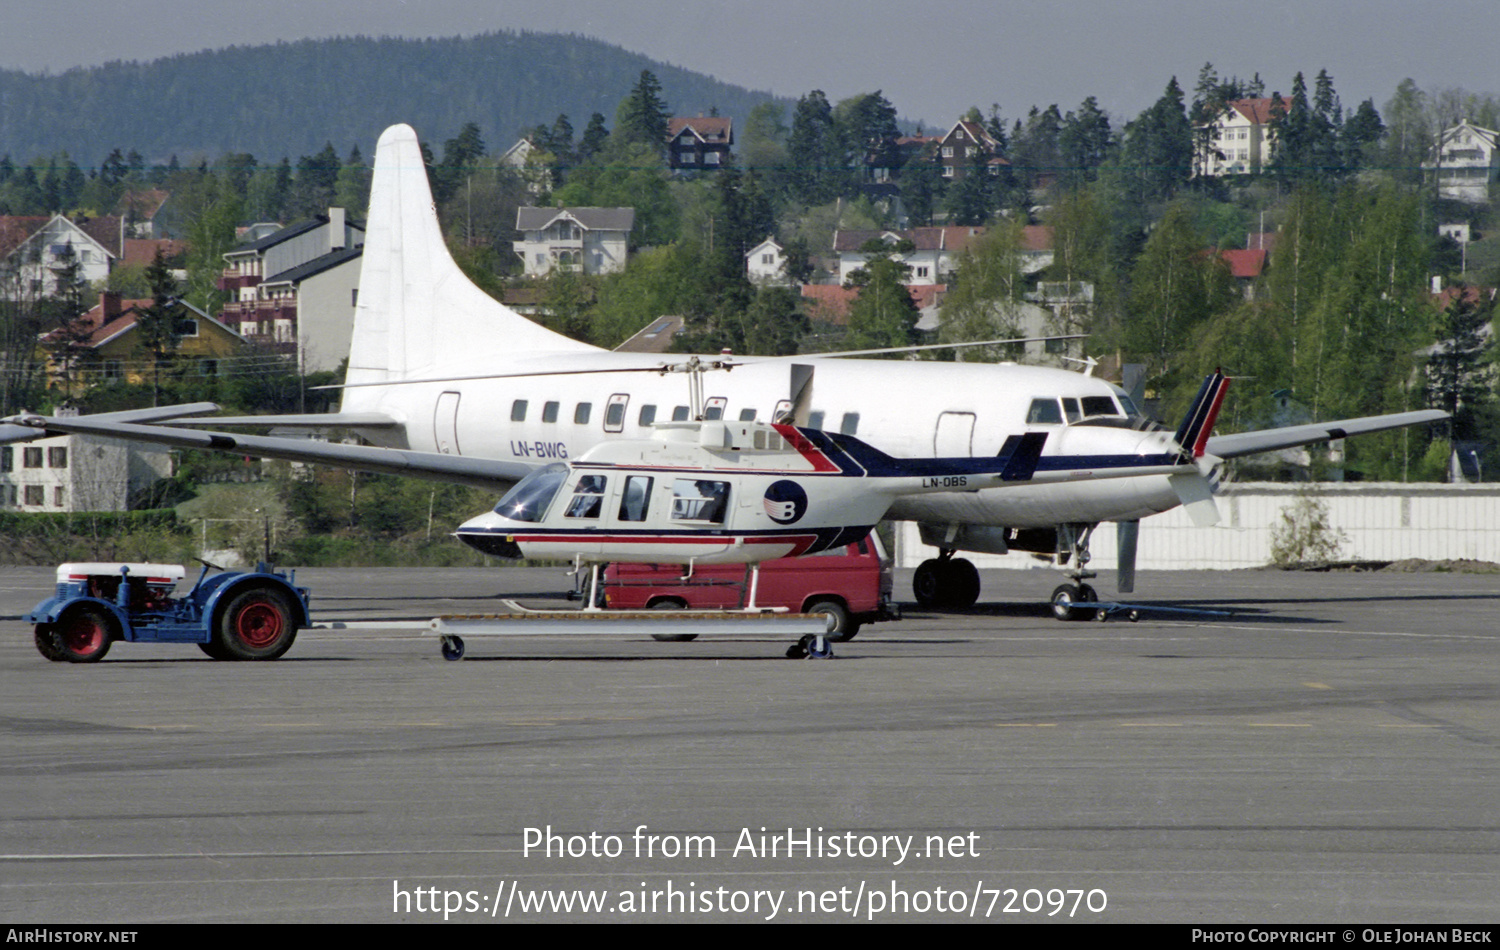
x=487, y=533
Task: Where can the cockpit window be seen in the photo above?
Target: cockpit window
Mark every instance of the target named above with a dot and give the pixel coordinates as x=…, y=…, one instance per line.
x=1044, y=412
x=1129, y=406
x=588, y=497
x=1099, y=406
x=1071, y=410
x=528, y=501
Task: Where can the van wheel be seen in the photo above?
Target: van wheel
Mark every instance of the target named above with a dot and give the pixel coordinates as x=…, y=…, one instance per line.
x=844, y=628
x=672, y=637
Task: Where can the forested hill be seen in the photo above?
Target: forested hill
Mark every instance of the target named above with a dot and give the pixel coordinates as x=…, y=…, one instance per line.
x=291, y=98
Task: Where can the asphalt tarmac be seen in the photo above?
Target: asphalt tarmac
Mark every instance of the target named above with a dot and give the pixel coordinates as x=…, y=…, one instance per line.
x=1325, y=748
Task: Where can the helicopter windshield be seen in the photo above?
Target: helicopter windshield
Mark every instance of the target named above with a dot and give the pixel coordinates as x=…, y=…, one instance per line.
x=529, y=499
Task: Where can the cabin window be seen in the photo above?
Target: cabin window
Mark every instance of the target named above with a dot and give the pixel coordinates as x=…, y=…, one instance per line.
x=699, y=499
x=528, y=501
x=747, y=415
x=549, y=411
x=815, y=419
x=850, y=424
x=713, y=413
x=1044, y=412
x=581, y=414
x=518, y=411
x=647, y=416
x=1071, y=410
x=588, y=497
x=680, y=414
x=636, y=498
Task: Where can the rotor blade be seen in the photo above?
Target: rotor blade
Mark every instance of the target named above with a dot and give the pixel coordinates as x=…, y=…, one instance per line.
x=949, y=346
x=1127, y=535
x=801, y=393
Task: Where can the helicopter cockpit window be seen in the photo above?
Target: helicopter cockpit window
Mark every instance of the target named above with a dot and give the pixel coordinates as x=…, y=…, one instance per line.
x=528, y=501
x=699, y=499
x=1044, y=412
x=588, y=497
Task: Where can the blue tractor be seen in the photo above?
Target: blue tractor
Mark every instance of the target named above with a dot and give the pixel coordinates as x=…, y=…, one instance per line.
x=233, y=615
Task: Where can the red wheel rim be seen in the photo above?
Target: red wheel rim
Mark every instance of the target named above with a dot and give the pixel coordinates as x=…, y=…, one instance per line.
x=83, y=635
x=258, y=625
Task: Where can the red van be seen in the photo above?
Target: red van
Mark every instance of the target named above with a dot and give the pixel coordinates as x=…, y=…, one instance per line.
x=850, y=583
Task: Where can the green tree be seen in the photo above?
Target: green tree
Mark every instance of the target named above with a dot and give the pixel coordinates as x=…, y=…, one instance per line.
x=1176, y=285
x=1460, y=377
x=883, y=314
x=159, y=325
x=815, y=166
x=986, y=297
x=641, y=119
x=1158, y=148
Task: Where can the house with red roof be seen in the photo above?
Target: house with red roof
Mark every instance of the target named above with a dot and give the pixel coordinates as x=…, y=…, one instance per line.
x=105, y=344
x=33, y=248
x=1237, y=141
x=698, y=142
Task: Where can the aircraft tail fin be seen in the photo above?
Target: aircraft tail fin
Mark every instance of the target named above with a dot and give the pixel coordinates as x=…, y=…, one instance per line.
x=1198, y=425
x=417, y=313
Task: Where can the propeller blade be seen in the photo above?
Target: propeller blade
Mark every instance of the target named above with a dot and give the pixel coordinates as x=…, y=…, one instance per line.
x=1127, y=534
x=1197, y=497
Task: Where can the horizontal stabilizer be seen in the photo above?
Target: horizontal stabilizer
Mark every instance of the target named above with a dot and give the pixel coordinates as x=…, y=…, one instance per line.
x=1269, y=440
x=1197, y=497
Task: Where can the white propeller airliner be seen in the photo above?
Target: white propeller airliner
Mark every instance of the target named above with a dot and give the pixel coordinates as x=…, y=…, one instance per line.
x=446, y=383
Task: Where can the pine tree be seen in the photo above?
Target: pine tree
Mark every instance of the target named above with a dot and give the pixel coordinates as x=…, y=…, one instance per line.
x=642, y=116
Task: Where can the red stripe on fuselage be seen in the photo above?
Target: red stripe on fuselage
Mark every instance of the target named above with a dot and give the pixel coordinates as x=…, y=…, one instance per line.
x=813, y=454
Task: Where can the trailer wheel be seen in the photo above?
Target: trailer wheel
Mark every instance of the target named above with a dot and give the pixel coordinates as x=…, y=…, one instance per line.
x=46, y=643
x=256, y=624
x=84, y=633
x=671, y=604
x=844, y=628
x=213, y=651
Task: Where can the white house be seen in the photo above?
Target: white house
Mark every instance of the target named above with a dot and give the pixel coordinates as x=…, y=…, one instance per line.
x=765, y=263
x=77, y=473
x=1238, y=141
x=591, y=240
x=33, y=247
x=1466, y=161
x=932, y=259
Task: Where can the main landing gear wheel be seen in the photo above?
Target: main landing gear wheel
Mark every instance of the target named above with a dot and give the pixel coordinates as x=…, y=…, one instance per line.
x=671, y=637
x=453, y=648
x=946, y=583
x=256, y=624
x=82, y=635
x=1067, y=598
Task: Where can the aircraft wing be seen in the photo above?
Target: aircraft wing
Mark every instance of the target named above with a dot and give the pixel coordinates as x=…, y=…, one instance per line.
x=1269, y=440
x=490, y=474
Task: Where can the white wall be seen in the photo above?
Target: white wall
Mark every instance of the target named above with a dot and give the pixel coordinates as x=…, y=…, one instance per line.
x=1379, y=521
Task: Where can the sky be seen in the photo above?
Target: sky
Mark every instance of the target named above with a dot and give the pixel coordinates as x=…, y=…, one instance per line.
x=932, y=58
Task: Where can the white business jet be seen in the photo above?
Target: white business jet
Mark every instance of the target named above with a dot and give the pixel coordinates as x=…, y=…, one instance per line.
x=448, y=384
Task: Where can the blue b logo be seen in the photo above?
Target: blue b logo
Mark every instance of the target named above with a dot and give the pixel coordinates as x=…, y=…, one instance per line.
x=785, y=501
